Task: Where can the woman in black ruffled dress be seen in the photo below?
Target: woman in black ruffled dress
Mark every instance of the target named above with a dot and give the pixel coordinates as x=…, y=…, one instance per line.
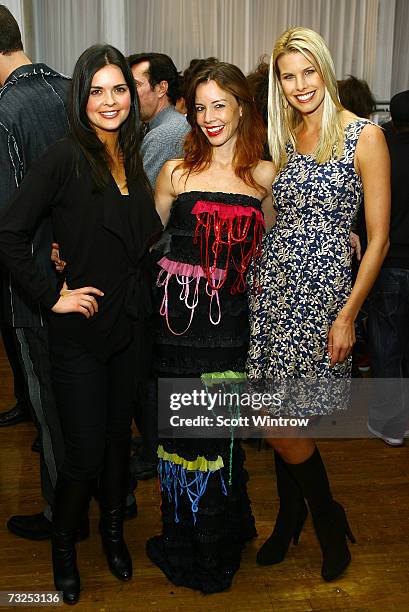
x=212, y=203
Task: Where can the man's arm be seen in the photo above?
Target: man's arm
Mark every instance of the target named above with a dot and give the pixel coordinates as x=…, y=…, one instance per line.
x=10, y=166
x=19, y=218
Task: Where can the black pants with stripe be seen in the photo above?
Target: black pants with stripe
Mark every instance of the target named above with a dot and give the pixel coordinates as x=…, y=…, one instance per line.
x=33, y=348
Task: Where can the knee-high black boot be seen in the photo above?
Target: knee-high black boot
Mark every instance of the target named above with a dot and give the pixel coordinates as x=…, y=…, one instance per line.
x=113, y=488
x=70, y=506
x=330, y=522
x=290, y=519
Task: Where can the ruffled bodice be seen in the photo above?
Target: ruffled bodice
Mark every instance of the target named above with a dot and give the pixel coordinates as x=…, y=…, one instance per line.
x=201, y=283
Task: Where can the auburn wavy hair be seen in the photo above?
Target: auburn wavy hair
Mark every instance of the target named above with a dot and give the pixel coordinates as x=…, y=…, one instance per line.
x=251, y=132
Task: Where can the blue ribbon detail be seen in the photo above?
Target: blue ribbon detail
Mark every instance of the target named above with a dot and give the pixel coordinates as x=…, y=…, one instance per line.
x=176, y=480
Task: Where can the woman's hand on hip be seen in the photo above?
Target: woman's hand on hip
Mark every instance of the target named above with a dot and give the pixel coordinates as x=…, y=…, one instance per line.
x=77, y=300
x=341, y=339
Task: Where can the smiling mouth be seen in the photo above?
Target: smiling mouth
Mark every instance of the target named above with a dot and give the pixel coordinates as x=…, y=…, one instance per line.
x=109, y=114
x=214, y=131
x=303, y=98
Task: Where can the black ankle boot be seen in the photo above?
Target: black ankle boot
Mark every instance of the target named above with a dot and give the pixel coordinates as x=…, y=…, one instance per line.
x=66, y=576
x=116, y=551
x=290, y=519
x=328, y=516
x=70, y=507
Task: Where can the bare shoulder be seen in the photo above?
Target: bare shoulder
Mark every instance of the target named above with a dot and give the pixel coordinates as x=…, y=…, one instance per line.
x=371, y=135
x=371, y=145
x=372, y=155
x=264, y=173
x=170, y=174
x=170, y=166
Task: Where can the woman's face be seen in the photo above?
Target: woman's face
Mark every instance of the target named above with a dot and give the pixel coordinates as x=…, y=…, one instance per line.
x=302, y=85
x=109, y=100
x=217, y=113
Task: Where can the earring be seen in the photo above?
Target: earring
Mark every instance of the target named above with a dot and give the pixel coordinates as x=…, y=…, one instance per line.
x=284, y=103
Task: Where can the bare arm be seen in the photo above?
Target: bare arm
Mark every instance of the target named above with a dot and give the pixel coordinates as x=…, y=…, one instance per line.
x=264, y=175
x=374, y=167
x=269, y=211
x=165, y=193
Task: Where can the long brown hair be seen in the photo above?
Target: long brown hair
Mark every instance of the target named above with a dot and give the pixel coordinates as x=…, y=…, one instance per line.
x=251, y=133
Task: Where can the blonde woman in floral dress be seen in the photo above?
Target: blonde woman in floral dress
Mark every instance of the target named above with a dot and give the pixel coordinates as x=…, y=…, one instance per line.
x=302, y=319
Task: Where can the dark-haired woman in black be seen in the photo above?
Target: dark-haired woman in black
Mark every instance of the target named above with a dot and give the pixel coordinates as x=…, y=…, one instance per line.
x=93, y=186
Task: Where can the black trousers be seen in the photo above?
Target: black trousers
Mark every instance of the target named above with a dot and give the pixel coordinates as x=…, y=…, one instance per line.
x=27, y=349
x=94, y=401
x=145, y=408
x=10, y=345
x=388, y=332
x=33, y=349
x=20, y=385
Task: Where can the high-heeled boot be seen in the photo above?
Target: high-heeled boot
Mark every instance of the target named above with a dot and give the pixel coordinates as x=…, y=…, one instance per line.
x=290, y=519
x=113, y=488
x=329, y=519
x=70, y=506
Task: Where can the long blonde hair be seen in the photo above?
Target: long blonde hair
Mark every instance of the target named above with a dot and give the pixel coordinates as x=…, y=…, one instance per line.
x=283, y=118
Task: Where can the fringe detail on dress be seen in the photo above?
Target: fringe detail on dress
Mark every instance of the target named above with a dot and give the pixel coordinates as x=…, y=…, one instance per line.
x=185, y=275
x=230, y=226
x=176, y=480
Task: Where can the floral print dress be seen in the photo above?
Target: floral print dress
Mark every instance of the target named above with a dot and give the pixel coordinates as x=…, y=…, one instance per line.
x=305, y=269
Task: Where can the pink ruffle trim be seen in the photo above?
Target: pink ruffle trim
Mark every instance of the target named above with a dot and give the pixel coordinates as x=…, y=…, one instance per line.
x=185, y=269
x=188, y=277
x=227, y=211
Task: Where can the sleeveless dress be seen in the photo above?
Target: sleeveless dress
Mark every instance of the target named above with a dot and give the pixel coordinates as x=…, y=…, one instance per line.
x=305, y=274
x=202, y=327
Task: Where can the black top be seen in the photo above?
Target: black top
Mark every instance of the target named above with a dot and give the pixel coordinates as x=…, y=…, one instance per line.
x=398, y=254
x=398, y=145
x=33, y=116
x=102, y=235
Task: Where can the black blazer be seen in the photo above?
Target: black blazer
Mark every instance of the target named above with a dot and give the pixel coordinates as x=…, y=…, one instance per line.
x=103, y=236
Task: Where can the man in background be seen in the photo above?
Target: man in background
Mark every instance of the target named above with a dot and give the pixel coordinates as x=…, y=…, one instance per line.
x=157, y=84
x=32, y=117
x=388, y=313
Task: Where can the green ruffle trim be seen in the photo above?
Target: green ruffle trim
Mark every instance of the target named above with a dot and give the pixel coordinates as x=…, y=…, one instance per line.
x=210, y=378
x=200, y=463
